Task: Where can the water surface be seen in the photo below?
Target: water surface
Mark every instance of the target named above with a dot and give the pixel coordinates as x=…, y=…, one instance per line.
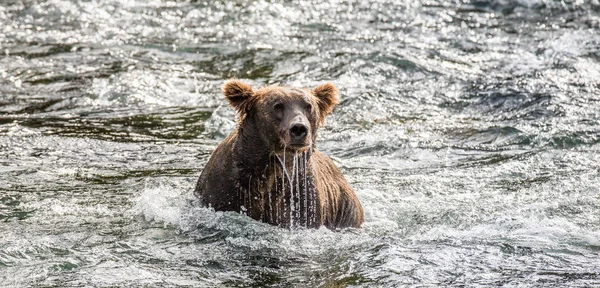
x=470, y=131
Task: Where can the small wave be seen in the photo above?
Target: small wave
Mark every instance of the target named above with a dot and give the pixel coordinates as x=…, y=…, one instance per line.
x=16, y=130
x=501, y=105
x=495, y=137
x=151, y=88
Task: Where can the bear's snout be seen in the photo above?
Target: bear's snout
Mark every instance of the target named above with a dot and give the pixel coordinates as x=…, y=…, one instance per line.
x=298, y=132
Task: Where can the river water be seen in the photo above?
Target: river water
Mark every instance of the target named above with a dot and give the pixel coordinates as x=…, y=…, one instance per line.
x=470, y=131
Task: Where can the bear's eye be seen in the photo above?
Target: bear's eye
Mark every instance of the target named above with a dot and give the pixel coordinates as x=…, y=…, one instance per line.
x=308, y=107
x=278, y=107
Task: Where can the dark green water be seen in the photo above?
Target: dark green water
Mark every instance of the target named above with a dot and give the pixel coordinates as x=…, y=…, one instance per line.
x=470, y=132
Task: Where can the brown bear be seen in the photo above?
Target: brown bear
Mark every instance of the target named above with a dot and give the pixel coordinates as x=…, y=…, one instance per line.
x=269, y=167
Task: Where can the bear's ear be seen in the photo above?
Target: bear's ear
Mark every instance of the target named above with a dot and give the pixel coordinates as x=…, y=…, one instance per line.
x=238, y=94
x=327, y=97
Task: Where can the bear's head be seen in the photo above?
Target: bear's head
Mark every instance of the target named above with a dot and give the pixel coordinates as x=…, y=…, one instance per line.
x=286, y=118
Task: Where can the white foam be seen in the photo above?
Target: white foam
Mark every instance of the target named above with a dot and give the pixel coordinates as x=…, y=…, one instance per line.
x=162, y=203
x=221, y=122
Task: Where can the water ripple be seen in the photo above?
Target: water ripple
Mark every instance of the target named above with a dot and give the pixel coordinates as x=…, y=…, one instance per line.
x=470, y=132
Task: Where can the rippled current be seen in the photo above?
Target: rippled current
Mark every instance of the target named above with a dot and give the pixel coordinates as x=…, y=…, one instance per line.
x=470, y=131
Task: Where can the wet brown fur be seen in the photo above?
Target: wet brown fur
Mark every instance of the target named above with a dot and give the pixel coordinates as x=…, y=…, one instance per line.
x=245, y=172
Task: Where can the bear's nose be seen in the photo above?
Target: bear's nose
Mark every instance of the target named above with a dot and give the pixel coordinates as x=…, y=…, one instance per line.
x=298, y=131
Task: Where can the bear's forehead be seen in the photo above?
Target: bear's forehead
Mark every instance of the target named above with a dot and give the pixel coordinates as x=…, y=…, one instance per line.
x=285, y=93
